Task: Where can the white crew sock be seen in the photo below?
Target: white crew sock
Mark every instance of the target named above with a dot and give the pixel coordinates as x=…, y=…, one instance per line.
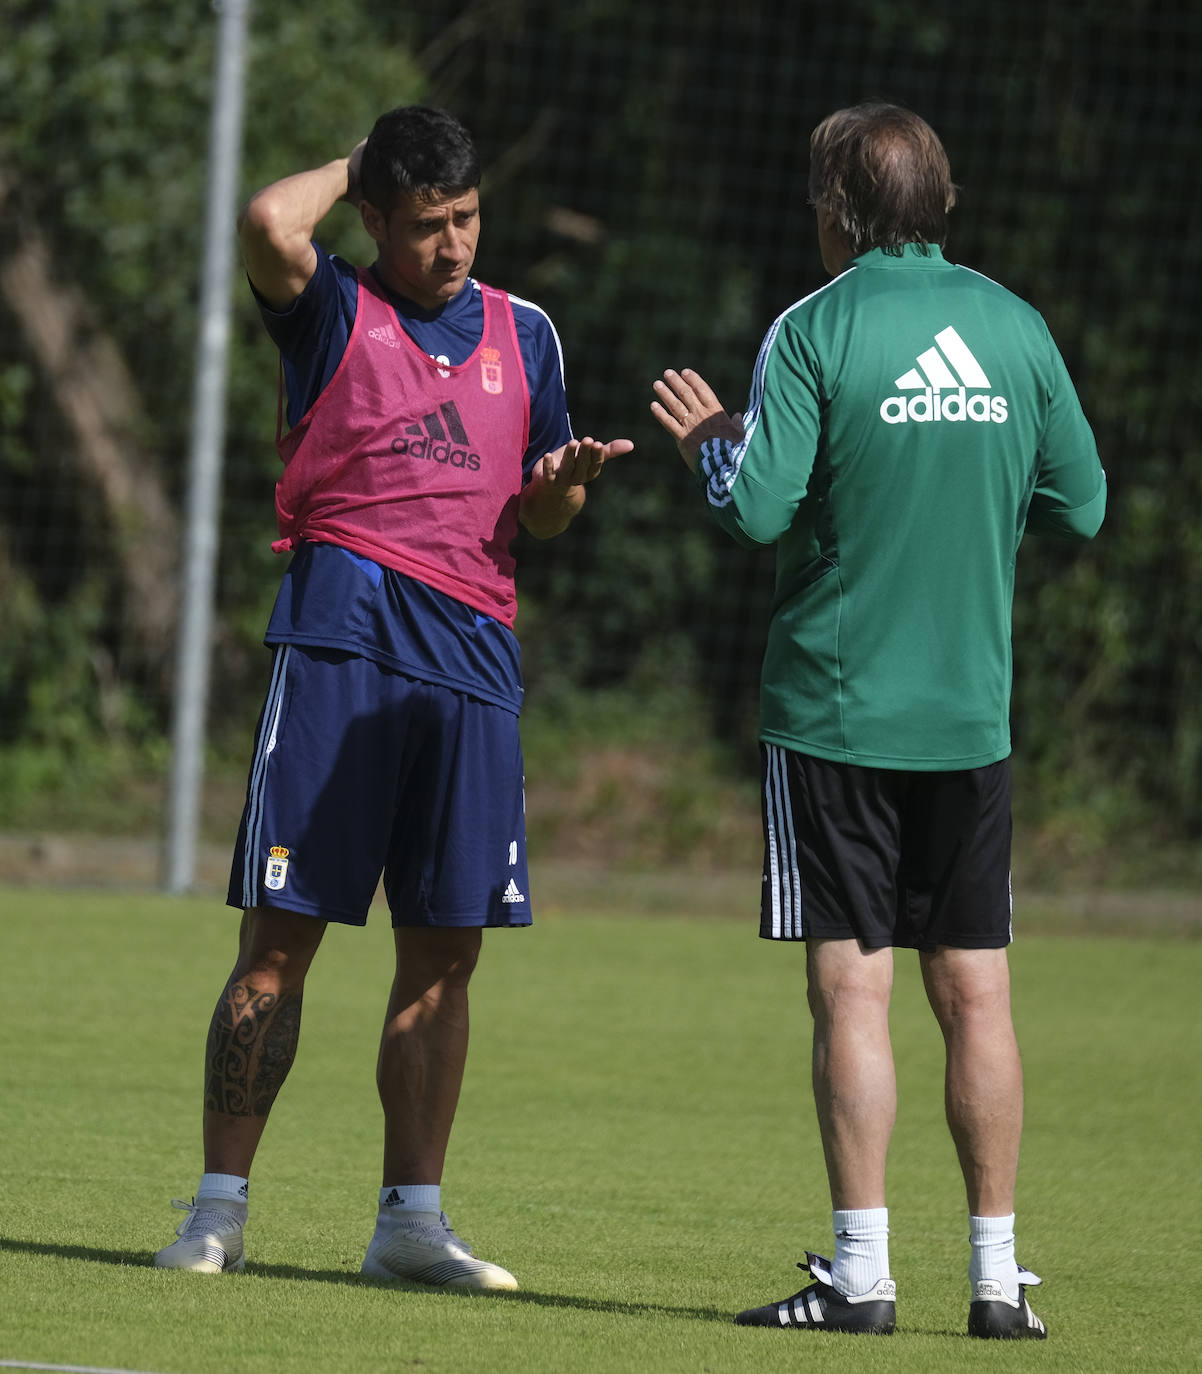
x=992, y=1254
x=401, y=1201
x=861, y=1249
x=232, y=1190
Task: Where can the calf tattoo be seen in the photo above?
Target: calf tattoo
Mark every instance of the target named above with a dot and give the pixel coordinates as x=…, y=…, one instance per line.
x=251, y=1045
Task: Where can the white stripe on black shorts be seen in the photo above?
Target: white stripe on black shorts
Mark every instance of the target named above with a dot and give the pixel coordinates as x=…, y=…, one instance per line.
x=886, y=856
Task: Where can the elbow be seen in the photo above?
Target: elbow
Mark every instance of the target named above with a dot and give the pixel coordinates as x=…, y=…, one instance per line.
x=1091, y=518
x=1079, y=523
x=260, y=223
x=750, y=535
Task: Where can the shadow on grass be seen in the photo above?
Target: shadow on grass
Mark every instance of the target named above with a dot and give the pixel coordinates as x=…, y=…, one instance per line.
x=141, y=1259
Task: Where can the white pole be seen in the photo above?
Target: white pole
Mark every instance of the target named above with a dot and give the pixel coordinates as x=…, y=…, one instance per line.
x=208, y=437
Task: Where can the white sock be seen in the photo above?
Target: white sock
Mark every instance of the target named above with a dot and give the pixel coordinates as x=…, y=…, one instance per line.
x=861, y=1249
x=404, y=1199
x=231, y=1189
x=992, y=1254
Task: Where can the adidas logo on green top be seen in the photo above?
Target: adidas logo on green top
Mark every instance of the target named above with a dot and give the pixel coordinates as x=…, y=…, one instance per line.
x=941, y=384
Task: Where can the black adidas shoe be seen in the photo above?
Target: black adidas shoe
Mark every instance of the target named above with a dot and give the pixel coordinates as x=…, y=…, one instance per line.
x=994, y=1317
x=822, y=1308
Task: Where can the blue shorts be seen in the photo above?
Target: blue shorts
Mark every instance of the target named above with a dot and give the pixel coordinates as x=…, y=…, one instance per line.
x=361, y=771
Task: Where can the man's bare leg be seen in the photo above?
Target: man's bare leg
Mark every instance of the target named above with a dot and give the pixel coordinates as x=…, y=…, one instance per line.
x=251, y=1045
x=423, y=1049
x=969, y=992
x=855, y=1089
x=855, y=1092
x=253, y=1034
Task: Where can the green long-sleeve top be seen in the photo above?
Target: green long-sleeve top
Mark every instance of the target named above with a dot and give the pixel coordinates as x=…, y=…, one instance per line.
x=907, y=423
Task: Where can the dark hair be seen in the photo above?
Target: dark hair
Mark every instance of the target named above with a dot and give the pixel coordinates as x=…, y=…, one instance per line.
x=882, y=174
x=414, y=150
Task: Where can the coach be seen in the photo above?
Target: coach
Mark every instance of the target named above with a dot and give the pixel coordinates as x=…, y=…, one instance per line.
x=907, y=423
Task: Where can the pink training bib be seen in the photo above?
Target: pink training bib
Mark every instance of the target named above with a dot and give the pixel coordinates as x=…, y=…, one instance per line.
x=413, y=463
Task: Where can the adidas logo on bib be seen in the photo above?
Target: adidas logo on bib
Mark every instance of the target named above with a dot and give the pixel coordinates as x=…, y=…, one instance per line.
x=385, y=335
x=947, y=384
x=512, y=894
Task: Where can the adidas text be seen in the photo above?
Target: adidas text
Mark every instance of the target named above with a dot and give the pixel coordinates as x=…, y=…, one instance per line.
x=512, y=893
x=929, y=405
x=438, y=453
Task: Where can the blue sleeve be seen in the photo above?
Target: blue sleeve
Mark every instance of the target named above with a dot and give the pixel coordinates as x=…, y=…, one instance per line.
x=550, y=425
x=312, y=333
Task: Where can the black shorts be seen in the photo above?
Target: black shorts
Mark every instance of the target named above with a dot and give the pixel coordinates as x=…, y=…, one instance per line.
x=885, y=856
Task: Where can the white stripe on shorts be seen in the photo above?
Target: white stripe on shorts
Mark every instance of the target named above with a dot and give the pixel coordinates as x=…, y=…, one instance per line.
x=264, y=746
x=781, y=841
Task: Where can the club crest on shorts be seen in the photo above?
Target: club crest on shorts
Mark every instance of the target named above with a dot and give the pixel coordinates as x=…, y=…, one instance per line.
x=490, y=371
x=277, y=868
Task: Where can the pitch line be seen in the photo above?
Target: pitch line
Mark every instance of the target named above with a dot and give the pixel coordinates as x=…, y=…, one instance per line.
x=68, y=1368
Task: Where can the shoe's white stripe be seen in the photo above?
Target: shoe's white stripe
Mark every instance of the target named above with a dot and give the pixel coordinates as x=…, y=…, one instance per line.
x=815, y=1307
x=441, y=1271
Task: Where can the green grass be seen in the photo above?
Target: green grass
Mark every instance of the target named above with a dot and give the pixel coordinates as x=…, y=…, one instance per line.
x=635, y=1140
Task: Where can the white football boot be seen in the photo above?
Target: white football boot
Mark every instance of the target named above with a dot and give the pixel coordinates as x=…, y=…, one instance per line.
x=422, y=1248
x=210, y=1237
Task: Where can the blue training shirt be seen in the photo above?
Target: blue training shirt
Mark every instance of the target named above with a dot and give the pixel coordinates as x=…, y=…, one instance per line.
x=334, y=599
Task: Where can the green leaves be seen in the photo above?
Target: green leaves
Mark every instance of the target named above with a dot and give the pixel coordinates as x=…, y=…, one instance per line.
x=645, y=184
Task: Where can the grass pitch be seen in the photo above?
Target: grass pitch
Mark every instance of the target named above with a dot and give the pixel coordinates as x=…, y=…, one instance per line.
x=635, y=1141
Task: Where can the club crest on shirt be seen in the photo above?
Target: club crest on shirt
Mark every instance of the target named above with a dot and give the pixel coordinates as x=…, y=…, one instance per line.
x=277, y=868
x=490, y=371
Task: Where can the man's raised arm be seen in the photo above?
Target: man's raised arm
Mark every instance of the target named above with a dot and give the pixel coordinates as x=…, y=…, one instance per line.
x=277, y=224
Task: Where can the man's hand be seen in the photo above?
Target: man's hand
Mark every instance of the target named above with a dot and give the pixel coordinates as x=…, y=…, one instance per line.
x=691, y=413
x=579, y=461
x=555, y=493
x=354, y=188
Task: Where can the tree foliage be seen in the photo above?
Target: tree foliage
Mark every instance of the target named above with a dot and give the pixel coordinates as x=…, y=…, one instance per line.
x=645, y=183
